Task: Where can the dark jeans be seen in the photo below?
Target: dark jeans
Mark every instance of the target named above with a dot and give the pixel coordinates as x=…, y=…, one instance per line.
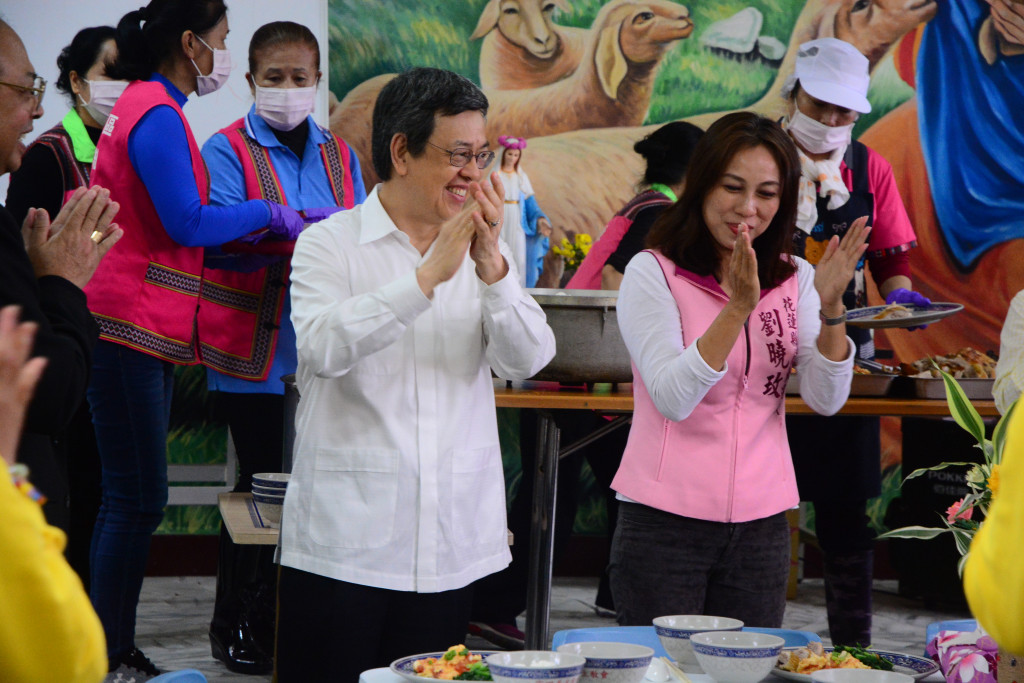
x=331, y=630
x=666, y=564
x=501, y=597
x=130, y=397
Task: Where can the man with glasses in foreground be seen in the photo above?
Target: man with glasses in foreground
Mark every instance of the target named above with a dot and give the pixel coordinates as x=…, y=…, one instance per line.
x=44, y=272
x=402, y=306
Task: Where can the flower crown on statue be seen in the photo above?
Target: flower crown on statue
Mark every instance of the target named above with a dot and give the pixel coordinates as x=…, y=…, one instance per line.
x=510, y=142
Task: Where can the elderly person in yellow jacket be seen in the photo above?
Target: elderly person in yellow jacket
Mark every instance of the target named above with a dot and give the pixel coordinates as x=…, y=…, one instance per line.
x=994, y=575
x=49, y=631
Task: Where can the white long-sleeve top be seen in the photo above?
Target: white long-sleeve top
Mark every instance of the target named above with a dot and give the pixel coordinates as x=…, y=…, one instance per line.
x=397, y=479
x=678, y=378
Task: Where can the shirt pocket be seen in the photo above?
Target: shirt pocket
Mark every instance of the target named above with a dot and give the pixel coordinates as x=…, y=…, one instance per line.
x=462, y=336
x=355, y=497
x=478, y=496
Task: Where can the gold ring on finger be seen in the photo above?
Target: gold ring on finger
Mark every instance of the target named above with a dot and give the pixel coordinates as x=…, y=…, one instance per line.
x=96, y=236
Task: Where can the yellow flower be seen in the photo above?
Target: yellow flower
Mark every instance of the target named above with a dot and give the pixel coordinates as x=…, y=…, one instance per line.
x=993, y=480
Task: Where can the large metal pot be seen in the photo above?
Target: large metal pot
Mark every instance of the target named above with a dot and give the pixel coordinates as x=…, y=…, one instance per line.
x=589, y=347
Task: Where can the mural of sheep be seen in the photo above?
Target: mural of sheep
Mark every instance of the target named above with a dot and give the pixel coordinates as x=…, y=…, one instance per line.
x=583, y=177
x=614, y=82
x=522, y=48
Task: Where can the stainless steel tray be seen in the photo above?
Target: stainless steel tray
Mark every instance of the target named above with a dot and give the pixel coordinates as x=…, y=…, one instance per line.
x=933, y=387
x=861, y=385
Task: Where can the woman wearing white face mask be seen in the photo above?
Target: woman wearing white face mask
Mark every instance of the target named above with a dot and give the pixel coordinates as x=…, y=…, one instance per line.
x=146, y=298
x=837, y=460
x=54, y=166
x=263, y=156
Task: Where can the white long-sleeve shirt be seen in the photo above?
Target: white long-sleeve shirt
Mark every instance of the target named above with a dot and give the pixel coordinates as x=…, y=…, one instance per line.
x=678, y=377
x=397, y=479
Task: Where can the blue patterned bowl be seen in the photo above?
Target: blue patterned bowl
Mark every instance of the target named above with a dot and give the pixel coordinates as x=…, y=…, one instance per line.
x=536, y=665
x=674, y=632
x=612, y=662
x=736, y=656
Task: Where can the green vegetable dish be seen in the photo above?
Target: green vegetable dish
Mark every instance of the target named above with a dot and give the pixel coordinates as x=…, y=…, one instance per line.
x=865, y=656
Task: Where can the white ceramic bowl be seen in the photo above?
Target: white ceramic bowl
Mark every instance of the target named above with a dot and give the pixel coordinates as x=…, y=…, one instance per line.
x=612, y=662
x=274, y=480
x=268, y=490
x=736, y=656
x=533, y=665
x=860, y=676
x=674, y=632
x=270, y=509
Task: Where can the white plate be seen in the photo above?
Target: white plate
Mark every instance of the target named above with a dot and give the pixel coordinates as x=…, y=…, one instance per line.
x=919, y=315
x=403, y=665
x=918, y=667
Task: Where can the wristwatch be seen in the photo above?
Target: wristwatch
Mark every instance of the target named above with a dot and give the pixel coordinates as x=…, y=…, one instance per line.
x=839, y=319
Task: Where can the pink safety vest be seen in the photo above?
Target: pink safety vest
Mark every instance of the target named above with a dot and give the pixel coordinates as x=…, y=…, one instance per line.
x=240, y=313
x=729, y=460
x=146, y=290
x=588, y=274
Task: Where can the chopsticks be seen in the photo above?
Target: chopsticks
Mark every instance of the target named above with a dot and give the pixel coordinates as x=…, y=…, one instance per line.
x=675, y=670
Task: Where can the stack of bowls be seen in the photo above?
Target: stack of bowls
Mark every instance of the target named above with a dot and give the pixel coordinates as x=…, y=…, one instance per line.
x=612, y=662
x=737, y=656
x=535, y=665
x=675, y=631
x=268, y=489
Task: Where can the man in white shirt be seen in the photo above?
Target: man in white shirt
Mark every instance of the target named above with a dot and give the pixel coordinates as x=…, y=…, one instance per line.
x=402, y=306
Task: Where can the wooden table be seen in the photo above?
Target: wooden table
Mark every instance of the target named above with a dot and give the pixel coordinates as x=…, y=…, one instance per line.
x=243, y=521
x=617, y=399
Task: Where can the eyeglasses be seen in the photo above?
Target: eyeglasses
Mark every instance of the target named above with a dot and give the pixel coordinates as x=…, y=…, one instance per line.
x=461, y=157
x=37, y=89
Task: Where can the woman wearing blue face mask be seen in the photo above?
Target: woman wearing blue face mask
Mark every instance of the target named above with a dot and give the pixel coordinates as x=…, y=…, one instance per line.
x=276, y=152
x=146, y=298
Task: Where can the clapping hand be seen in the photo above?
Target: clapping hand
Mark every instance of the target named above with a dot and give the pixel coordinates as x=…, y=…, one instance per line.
x=836, y=268
x=73, y=244
x=744, y=285
x=487, y=218
x=18, y=377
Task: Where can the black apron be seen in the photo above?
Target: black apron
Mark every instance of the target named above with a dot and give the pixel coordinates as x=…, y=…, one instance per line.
x=839, y=457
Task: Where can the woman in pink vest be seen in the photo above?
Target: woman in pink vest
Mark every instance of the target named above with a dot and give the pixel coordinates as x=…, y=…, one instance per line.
x=715, y=316
x=145, y=299
x=667, y=152
x=276, y=152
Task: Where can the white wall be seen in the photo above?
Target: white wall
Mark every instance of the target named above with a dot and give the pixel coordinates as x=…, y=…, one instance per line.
x=46, y=26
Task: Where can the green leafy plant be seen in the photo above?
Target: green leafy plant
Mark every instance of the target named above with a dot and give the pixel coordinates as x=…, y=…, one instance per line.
x=982, y=478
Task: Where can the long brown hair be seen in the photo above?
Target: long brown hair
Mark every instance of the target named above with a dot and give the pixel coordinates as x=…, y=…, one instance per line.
x=681, y=234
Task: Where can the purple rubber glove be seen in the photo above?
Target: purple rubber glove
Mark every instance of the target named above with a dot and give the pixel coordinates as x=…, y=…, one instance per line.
x=285, y=222
x=902, y=295
x=318, y=214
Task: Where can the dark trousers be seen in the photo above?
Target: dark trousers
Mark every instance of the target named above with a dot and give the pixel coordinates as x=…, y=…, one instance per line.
x=246, y=576
x=501, y=597
x=331, y=630
x=130, y=396
x=666, y=564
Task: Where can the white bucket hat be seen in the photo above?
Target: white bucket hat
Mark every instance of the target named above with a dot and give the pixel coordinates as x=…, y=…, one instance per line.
x=832, y=71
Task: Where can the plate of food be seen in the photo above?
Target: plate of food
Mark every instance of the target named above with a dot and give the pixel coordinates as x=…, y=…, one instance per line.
x=798, y=663
x=900, y=315
x=457, y=663
x=973, y=370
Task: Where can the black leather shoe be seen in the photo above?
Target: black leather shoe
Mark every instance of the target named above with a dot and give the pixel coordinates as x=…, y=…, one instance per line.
x=239, y=652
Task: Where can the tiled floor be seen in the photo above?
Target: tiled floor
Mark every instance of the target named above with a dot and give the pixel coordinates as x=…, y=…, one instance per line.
x=175, y=612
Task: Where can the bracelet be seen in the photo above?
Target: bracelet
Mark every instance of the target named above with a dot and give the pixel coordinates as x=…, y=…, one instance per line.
x=838, y=320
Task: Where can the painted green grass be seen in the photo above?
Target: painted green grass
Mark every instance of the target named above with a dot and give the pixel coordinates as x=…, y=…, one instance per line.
x=200, y=520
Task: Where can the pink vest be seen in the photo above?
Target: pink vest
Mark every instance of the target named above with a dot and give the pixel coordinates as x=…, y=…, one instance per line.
x=729, y=460
x=240, y=313
x=588, y=274
x=146, y=290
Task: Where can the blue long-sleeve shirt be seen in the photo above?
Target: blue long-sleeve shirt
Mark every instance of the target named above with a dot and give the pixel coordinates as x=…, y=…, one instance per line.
x=158, y=151
x=306, y=186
